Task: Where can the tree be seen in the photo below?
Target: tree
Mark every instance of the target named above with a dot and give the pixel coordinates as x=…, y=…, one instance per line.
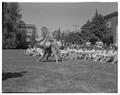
x=21, y=36
x=99, y=28
x=96, y=29
x=74, y=38
x=85, y=31
x=57, y=34
x=44, y=31
x=10, y=20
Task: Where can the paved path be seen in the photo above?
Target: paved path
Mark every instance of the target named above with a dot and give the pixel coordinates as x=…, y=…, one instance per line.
x=73, y=76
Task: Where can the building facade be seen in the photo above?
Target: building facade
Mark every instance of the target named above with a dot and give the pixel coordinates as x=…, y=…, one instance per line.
x=30, y=32
x=112, y=22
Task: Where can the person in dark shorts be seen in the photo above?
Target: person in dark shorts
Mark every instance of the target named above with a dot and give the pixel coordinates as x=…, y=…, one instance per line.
x=47, y=52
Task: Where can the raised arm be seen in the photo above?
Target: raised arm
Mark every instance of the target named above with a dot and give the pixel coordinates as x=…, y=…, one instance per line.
x=45, y=40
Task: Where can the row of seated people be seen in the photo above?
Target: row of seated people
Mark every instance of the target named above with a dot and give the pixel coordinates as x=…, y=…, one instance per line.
x=34, y=51
x=73, y=52
x=101, y=55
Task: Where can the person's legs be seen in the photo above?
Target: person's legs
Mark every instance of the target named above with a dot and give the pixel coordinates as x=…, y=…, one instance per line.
x=56, y=58
x=54, y=53
x=49, y=54
x=42, y=56
x=58, y=54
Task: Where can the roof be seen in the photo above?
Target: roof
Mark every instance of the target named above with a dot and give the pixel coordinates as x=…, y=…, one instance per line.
x=27, y=26
x=114, y=14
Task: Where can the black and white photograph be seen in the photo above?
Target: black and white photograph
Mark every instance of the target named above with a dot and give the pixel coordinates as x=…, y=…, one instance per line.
x=59, y=47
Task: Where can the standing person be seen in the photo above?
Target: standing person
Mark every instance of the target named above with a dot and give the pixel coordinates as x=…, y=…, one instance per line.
x=56, y=50
x=49, y=48
x=46, y=46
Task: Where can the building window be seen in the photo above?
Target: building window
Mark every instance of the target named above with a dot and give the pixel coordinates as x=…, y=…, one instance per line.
x=29, y=32
x=108, y=24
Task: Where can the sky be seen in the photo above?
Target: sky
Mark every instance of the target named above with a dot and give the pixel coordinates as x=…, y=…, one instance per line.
x=63, y=15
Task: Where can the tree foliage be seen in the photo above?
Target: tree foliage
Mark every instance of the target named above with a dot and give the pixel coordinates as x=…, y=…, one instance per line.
x=57, y=34
x=11, y=17
x=44, y=31
x=74, y=38
x=96, y=29
x=21, y=36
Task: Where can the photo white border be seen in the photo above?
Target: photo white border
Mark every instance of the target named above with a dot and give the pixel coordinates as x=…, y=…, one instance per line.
x=50, y=1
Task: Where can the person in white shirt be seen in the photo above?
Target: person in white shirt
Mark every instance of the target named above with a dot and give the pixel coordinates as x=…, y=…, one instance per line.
x=40, y=51
x=99, y=43
x=29, y=50
x=88, y=43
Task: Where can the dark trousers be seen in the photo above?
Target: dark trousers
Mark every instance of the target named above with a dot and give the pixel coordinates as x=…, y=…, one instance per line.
x=47, y=51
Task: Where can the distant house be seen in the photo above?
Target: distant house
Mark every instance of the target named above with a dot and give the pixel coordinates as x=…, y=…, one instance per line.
x=30, y=31
x=112, y=22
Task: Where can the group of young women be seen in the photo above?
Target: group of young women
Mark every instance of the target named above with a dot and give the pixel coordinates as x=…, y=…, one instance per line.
x=100, y=55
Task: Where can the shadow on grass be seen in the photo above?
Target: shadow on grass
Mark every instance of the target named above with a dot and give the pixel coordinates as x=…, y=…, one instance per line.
x=8, y=75
x=50, y=61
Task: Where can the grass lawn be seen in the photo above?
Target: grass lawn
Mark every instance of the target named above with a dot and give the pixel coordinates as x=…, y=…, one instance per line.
x=22, y=73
